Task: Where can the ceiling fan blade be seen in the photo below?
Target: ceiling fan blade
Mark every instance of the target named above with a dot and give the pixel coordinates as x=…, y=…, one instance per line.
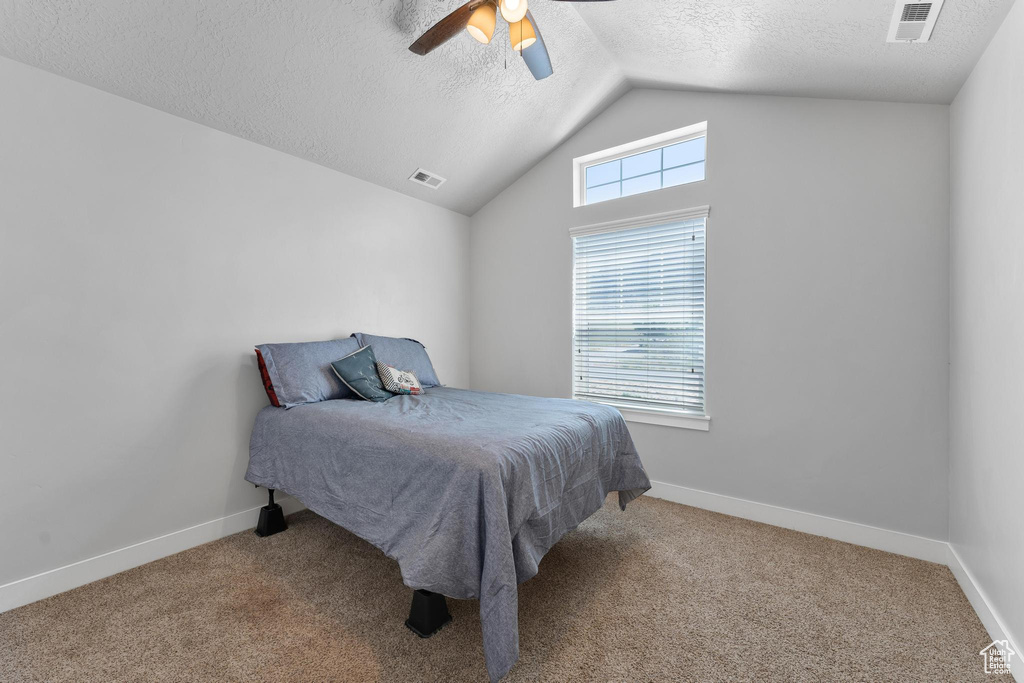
x=446, y=29
x=536, y=56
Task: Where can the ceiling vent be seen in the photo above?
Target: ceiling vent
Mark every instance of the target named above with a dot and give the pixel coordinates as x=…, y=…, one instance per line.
x=913, y=22
x=431, y=180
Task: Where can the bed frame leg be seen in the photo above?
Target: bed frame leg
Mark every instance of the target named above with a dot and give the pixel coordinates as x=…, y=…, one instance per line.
x=271, y=518
x=428, y=614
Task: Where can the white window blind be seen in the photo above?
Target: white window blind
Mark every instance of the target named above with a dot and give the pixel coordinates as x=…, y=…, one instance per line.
x=638, y=313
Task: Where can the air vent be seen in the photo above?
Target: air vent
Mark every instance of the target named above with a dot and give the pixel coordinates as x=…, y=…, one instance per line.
x=431, y=180
x=916, y=12
x=913, y=22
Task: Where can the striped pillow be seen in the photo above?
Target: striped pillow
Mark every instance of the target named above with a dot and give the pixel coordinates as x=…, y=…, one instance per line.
x=398, y=381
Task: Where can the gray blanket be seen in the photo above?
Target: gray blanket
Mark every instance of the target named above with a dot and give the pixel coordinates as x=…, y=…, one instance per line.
x=466, y=490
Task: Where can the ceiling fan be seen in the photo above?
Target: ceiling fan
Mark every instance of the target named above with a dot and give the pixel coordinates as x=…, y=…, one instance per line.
x=479, y=18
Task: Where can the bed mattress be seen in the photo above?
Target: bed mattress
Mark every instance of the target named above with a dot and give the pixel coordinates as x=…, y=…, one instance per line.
x=466, y=490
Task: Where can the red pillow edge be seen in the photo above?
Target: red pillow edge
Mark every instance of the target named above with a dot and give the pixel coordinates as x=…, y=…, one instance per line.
x=267, y=384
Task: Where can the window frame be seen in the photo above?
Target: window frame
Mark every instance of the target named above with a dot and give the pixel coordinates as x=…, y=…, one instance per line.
x=667, y=139
x=686, y=419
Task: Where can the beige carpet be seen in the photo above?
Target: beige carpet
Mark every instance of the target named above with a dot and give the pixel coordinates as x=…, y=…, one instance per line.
x=662, y=592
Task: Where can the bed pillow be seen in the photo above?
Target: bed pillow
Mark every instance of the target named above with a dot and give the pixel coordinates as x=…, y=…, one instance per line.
x=301, y=373
x=407, y=354
x=358, y=370
x=268, y=385
x=398, y=381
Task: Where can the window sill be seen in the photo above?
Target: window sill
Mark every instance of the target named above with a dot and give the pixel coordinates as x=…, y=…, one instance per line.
x=667, y=418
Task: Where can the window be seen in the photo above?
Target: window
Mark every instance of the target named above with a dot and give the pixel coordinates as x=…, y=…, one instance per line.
x=638, y=315
x=674, y=158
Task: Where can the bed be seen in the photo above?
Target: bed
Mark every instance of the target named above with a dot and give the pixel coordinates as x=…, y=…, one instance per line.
x=466, y=490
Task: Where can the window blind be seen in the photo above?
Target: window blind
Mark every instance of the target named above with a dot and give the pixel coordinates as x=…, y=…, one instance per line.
x=638, y=315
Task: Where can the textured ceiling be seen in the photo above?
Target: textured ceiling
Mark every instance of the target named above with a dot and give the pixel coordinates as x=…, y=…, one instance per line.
x=814, y=48
x=332, y=81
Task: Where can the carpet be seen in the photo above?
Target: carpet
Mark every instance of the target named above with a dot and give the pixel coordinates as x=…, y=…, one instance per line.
x=662, y=592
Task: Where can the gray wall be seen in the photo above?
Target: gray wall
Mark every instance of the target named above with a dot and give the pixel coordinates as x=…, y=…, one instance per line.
x=141, y=257
x=987, y=325
x=828, y=304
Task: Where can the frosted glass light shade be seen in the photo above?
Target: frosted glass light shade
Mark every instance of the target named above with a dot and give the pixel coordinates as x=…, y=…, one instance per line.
x=522, y=34
x=513, y=10
x=481, y=23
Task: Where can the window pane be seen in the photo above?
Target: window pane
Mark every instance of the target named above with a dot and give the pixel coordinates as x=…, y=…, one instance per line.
x=684, y=174
x=685, y=153
x=641, y=164
x=644, y=183
x=603, y=193
x=644, y=162
x=603, y=173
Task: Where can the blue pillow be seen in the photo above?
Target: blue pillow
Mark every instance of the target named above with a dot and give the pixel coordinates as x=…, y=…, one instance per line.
x=403, y=354
x=301, y=373
x=358, y=370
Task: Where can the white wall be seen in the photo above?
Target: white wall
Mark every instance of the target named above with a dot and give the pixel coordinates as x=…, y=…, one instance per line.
x=827, y=318
x=141, y=258
x=987, y=326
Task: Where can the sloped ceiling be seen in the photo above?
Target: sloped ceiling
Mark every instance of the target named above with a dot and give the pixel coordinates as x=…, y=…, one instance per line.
x=813, y=48
x=332, y=81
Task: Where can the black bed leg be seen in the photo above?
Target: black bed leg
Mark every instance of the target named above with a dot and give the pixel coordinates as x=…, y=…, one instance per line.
x=271, y=518
x=428, y=614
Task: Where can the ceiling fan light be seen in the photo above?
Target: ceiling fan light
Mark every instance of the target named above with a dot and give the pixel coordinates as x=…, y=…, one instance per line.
x=522, y=35
x=481, y=23
x=513, y=10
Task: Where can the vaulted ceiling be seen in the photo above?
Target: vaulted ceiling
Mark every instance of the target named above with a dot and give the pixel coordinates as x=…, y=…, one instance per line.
x=813, y=48
x=332, y=81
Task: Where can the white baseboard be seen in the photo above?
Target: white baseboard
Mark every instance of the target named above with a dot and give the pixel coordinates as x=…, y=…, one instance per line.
x=851, y=532
x=859, y=534
x=986, y=612
x=32, y=588
x=46, y=584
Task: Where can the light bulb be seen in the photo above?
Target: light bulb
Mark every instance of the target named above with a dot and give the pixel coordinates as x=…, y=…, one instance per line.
x=481, y=23
x=513, y=10
x=522, y=35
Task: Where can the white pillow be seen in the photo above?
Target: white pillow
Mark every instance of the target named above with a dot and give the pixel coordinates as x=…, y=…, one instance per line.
x=398, y=381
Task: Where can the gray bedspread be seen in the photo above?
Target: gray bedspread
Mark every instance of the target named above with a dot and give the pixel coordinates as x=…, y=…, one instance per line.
x=466, y=490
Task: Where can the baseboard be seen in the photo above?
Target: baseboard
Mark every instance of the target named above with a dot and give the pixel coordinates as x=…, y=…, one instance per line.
x=46, y=584
x=33, y=588
x=986, y=613
x=859, y=534
x=851, y=532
